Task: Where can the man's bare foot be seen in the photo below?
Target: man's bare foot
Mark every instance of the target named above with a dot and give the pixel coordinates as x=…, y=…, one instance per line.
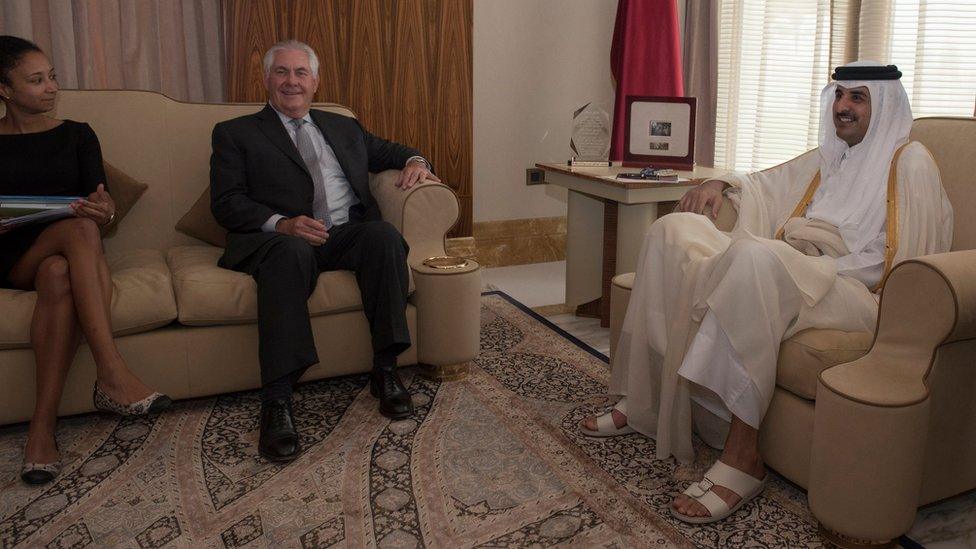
x=752, y=465
x=122, y=386
x=619, y=420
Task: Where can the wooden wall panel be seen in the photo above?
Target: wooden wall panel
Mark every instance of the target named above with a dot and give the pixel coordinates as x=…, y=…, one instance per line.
x=404, y=67
x=247, y=28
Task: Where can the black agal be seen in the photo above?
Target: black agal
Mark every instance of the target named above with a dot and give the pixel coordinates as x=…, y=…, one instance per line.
x=887, y=72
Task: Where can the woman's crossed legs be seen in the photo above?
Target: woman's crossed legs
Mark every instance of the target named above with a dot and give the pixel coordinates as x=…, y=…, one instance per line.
x=67, y=267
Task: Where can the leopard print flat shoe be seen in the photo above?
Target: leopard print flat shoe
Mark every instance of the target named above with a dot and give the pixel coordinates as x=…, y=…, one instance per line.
x=39, y=473
x=152, y=404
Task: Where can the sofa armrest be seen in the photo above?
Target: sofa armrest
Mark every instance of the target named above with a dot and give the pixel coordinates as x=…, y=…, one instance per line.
x=423, y=214
x=871, y=416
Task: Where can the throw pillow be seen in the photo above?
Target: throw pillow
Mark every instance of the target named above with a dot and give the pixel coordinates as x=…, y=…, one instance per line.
x=125, y=192
x=200, y=223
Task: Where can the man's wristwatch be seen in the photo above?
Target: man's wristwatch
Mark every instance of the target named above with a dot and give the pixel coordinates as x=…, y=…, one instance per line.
x=421, y=160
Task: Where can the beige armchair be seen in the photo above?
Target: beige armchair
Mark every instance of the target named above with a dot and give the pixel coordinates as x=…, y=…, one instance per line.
x=875, y=425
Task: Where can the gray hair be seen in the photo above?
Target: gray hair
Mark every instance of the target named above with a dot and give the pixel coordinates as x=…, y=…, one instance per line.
x=313, y=60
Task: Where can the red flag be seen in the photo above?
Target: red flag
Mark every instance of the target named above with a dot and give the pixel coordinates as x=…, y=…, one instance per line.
x=645, y=58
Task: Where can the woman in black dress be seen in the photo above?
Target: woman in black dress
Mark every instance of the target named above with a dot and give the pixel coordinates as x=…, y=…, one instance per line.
x=64, y=260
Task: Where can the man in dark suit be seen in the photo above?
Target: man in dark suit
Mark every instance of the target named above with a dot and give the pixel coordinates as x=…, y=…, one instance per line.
x=291, y=185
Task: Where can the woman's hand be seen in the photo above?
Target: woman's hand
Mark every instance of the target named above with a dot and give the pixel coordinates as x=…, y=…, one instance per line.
x=705, y=199
x=99, y=206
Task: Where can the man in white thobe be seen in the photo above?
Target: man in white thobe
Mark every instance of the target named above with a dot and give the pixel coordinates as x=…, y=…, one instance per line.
x=811, y=246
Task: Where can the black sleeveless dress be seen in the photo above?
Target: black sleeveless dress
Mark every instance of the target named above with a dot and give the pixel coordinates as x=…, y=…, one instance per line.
x=63, y=161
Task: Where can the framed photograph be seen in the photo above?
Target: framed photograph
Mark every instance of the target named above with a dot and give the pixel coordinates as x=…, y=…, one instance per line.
x=660, y=132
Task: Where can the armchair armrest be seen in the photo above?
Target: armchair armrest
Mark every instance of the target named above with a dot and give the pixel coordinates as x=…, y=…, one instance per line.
x=931, y=301
x=728, y=215
x=423, y=214
x=871, y=416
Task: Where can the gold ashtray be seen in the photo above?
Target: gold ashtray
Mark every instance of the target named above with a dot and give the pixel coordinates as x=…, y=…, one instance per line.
x=445, y=262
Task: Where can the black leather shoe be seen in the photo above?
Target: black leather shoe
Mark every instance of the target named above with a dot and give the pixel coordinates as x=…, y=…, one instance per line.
x=279, y=438
x=395, y=402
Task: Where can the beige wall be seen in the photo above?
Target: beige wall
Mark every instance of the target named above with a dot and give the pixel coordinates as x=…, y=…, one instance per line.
x=535, y=62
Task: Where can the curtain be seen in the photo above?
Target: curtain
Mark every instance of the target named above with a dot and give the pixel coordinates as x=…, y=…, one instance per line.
x=645, y=58
x=774, y=57
x=932, y=42
x=170, y=46
x=700, y=63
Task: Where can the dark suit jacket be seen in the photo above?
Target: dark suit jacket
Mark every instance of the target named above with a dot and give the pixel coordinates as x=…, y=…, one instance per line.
x=256, y=172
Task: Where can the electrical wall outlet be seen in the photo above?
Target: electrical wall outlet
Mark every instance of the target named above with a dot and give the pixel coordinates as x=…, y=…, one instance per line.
x=535, y=176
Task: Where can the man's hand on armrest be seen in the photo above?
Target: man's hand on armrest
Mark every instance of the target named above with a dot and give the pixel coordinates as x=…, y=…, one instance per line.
x=414, y=172
x=311, y=230
x=706, y=197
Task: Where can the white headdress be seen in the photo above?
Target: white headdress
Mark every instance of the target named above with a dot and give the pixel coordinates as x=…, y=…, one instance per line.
x=853, y=188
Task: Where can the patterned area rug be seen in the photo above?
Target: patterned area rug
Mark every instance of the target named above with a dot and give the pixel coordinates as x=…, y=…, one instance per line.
x=494, y=460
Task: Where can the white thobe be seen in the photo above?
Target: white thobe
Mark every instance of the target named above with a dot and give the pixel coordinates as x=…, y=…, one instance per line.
x=711, y=361
x=757, y=291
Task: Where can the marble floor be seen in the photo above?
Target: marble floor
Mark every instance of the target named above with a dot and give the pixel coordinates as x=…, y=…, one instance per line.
x=950, y=524
x=587, y=330
x=534, y=285
x=542, y=286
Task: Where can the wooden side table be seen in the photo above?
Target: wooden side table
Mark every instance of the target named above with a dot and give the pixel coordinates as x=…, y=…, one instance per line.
x=606, y=221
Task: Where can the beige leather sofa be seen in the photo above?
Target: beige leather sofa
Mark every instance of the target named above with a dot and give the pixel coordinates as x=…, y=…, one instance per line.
x=875, y=425
x=187, y=327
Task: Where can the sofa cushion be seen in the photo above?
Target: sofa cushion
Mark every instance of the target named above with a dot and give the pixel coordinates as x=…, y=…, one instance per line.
x=209, y=295
x=806, y=354
x=200, y=223
x=143, y=299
